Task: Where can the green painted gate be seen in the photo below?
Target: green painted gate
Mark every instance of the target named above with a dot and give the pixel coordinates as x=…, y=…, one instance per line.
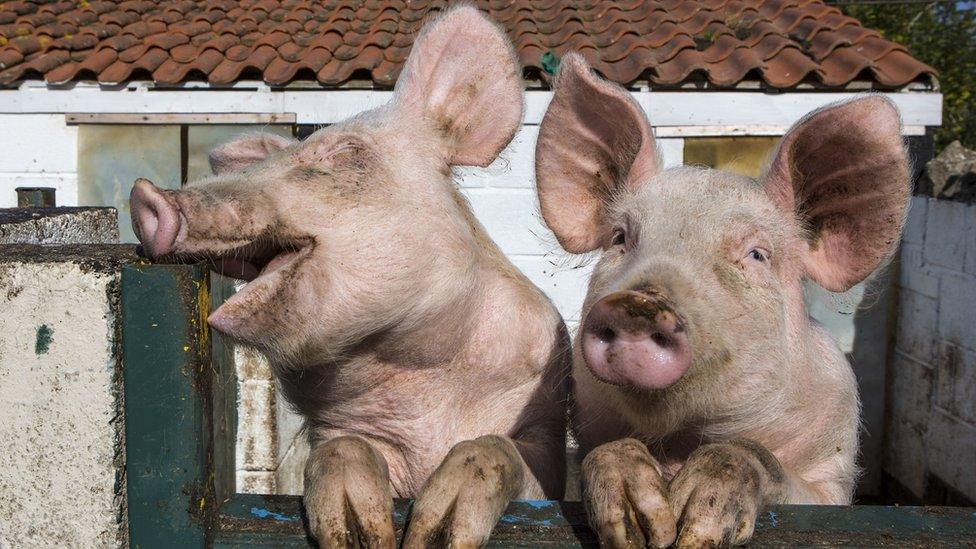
x=180, y=414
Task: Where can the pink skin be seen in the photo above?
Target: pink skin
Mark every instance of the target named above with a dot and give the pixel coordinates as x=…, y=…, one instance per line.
x=689, y=433
x=155, y=217
x=634, y=338
x=425, y=365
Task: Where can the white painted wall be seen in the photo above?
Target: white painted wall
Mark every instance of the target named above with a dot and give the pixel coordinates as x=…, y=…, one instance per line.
x=37, y=150
x=503, y=198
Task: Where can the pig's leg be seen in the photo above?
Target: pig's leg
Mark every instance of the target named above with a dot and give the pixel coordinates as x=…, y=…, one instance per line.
x=721, y=488
x=348, y=497
x=626, y=497
x=464, y=498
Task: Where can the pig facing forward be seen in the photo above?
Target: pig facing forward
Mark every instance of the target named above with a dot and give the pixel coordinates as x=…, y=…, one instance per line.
x=392, y=322
x=702, y=389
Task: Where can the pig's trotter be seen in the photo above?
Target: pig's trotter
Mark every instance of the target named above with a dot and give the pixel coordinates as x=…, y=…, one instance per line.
x=347, y=495
x=466, y=495
x=625, y=496
x=720, y=490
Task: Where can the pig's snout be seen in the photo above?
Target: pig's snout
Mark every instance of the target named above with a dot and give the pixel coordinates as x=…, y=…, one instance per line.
x=636, y=339
x=155, y=220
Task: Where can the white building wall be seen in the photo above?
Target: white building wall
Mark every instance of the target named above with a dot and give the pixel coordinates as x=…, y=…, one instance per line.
x=503, y=198
x=38, y=150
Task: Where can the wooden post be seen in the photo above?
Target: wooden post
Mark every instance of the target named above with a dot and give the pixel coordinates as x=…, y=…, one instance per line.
x=179, y=442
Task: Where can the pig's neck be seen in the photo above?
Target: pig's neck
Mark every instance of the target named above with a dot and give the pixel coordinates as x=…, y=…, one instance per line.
x=416, y=389
x=460, y=359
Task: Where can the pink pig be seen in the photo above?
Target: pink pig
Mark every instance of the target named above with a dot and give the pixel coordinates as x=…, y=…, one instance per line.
x=425, y=365
x=702, y=389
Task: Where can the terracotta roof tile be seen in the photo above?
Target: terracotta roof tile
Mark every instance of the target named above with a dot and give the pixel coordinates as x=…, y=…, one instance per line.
x=668, y=42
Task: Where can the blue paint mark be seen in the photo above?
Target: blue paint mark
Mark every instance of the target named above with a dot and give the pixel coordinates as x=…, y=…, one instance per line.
x=518, y=519
x=773, y=519
x=264, y=513
x=539, y=503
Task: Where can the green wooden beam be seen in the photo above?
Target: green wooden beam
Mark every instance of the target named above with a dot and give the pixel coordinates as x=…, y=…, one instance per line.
x=179, y=453
x=265, y=521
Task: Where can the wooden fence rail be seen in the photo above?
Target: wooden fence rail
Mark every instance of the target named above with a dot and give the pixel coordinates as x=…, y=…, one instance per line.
x=180, y=413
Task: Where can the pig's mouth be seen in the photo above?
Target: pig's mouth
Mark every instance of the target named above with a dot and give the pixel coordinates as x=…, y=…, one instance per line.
x=266, y=265
x=256, y=259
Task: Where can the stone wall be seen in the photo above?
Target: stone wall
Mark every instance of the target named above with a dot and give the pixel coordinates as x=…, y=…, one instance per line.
x=930, y=434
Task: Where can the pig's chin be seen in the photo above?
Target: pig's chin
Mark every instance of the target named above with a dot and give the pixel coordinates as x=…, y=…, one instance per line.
x=265, y=280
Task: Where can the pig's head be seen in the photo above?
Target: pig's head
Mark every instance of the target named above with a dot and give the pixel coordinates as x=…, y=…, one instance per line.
x=699, y=281
x=359, y=229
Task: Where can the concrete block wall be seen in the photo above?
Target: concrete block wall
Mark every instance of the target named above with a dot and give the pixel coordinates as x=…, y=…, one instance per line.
x=61, y=423
x=930, y=436
x=39, y=150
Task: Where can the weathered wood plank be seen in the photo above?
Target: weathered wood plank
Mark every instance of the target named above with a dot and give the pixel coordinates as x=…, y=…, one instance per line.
x=255, y=521
x=180, y=118
x=178, y=465
x=319, y=106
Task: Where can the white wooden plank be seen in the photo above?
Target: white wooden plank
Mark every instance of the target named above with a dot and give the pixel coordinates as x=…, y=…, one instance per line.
x=686, y=108
x=180, y=118
x=746, y=130
x=95, y=100
x=672, y=108
x=330, y=106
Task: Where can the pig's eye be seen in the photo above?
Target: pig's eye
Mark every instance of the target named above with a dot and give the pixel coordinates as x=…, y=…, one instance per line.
x=619, y=238
x=759, y=254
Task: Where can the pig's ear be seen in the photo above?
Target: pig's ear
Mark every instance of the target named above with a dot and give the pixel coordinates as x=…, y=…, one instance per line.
x=464, y=77
x=244, y=151
x=843, y=172
x=594, y=142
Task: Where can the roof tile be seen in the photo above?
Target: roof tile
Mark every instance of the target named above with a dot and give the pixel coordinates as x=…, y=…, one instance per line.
x=668, y=42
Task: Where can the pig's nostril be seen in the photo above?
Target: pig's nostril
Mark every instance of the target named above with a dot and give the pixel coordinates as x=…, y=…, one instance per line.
x=606, y=335
x=660, y=339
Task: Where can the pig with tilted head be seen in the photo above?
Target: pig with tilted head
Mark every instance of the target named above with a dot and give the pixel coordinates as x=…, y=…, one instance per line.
x=702, y=389
x=425, y=365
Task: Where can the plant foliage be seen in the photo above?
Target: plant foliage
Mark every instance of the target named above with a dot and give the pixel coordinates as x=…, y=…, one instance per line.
x=942, y=34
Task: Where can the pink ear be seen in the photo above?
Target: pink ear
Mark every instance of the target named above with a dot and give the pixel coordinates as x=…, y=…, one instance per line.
x=593, y=142
x=844, y=172
x=464, y=77
x=244, y=151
